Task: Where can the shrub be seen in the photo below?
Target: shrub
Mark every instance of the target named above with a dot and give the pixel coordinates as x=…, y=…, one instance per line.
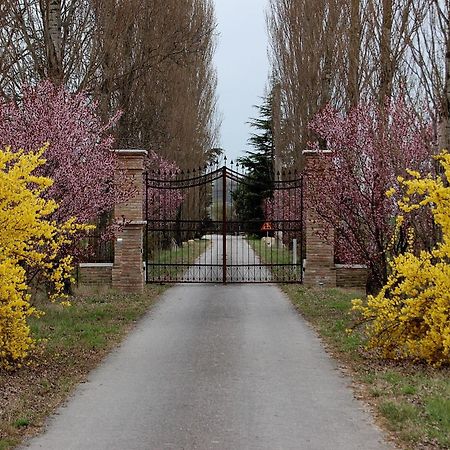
x=410, y=317
x=28, y=239
x=369, y=147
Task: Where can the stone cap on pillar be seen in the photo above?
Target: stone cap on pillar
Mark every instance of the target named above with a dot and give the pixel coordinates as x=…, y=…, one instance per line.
x=315, y=152
x=131, y=158
x=131, y=151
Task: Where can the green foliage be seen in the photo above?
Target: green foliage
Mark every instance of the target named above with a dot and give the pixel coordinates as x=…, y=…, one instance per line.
x=410, y=317
x=249, y=197
x=6, y=444
x=22, y=422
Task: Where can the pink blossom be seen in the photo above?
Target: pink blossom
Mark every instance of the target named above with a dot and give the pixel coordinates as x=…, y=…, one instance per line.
x=284, y=209
x=80, y=159
x=370, y=147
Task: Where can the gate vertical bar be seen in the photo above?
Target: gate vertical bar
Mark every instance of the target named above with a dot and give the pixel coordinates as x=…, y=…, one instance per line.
x=224, y=225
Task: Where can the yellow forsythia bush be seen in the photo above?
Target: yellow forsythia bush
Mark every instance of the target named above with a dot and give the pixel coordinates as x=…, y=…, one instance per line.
x=410, y=317
x=28, y=239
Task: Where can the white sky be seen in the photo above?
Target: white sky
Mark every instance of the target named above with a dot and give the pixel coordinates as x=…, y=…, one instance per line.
x=242, y=68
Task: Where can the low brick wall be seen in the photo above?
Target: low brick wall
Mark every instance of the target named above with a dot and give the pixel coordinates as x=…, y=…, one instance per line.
x=351, y=276
x=95, y=273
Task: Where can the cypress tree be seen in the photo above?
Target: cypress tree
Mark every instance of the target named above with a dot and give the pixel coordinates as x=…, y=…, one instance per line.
x=259, y=164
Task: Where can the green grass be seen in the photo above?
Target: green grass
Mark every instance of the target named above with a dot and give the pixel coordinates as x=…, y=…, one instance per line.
x=89, y=325
x=71, y=341
x=22, y=422
x=172, y=263
x=412, y=401
x=399, y=413
x=6, y=444
x=438, y=409
x=279, y=259
x=408, y=390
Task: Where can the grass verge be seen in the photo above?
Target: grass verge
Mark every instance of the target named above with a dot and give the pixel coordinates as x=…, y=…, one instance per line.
x=411, y=401
x=171, y=264
x=278, y=258
x=73, y=341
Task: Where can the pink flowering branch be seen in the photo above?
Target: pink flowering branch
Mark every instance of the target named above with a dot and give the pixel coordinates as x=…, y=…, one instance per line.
x=80, y=159
x=370, y=147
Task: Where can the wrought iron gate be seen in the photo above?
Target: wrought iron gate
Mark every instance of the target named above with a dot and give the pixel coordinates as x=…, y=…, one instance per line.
x=197, y=230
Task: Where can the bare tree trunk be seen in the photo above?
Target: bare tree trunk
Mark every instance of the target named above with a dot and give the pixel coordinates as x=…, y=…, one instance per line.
x=308, y=51
x=277, y=126
x=386, y=69
x=51, y=14
x=443, y=127
x=354, y=53
x=447, y=88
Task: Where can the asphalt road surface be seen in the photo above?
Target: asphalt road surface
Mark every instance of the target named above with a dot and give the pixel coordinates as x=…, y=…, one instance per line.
x=215, y=367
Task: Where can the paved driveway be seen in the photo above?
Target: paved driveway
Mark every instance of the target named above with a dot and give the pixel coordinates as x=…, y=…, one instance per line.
x=216, y=367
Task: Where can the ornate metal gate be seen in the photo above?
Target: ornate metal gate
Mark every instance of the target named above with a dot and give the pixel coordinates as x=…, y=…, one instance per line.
x=199, y=229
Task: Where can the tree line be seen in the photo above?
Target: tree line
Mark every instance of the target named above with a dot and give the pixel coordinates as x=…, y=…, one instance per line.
x=150, y=59
x=345, y=52
x=369, y=81
x=366, y=83
x=79, y=78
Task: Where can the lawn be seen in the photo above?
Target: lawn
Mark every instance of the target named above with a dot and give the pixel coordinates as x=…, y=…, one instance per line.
x=73, y=340
x=171, y=264
x=410, y=400
x=278, y=258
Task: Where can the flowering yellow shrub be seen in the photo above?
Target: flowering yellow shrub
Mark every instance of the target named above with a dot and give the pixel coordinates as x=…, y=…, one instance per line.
x=28, y=240
x=410, y=317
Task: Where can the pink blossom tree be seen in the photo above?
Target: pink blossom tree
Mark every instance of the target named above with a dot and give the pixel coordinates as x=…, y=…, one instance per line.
x=284, y=209
x=370, y=147
x=79, y=157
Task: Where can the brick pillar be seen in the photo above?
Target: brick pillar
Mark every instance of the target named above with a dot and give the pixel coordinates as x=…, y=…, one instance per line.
x=319, y=267
x=128, y=273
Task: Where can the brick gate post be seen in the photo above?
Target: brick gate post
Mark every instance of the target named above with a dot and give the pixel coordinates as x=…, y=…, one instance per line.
x=128, y=273
x=319, y=268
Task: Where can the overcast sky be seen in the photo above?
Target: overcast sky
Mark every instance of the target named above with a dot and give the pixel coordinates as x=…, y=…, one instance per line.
x=242, y=68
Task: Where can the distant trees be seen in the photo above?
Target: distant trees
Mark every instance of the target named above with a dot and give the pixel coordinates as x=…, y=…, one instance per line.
x=363, y=79
x=148, y=58
x=47, y=39
x=87, y=75
x=349, y=51
x=156, y=66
